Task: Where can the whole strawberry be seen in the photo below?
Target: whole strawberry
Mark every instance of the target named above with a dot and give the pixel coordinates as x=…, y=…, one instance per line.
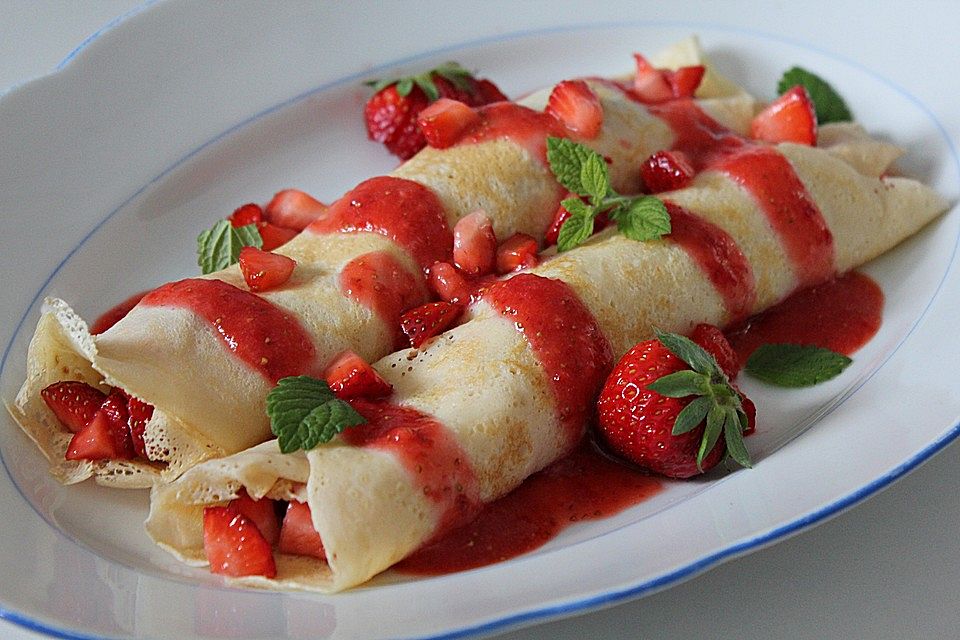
x=666, y=405
x=391, y=113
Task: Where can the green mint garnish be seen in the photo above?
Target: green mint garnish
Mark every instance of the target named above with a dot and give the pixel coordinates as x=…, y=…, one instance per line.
x=716, y=400
x=828, y=104
x=304, y=413
x=794, y=365
x=451, y=71
x=219, y=247
x=582, y=171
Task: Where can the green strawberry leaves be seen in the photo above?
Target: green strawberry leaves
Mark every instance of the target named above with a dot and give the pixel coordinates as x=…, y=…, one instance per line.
x=451, y=71
x=584, y=172
x=827, y=103
x=715, y=401
x=304, y=413
x=219, y=247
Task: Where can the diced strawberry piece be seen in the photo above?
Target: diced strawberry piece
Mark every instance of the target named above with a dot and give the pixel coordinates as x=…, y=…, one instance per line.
x=486, y=92
x=263, y=270
x=474, y=244
x=574, y=104
x=685, y=80
x=445, y=121
x=713, y=341
x=519, y=251
x=274, y=236
x=650, y=84
x=553, y=231
x=261, y=512
x=74, y=403
x=666, y=171
x=139, y=413
x=293, y=209
x=243, y=215
x=234, y=546
x=107, y=436
x=449, y=283
x=298, y=536
x=350, y=376
x=429, y=320
x=789, y=118
x=750, y=409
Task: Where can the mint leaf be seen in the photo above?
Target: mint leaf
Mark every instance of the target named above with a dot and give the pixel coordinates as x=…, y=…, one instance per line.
x=577, y=228
x=794, y=365
x=566, y=159
x=828, y=104
x=304, y=413
x=595, y=179
x=219, y=247
x=645, y=218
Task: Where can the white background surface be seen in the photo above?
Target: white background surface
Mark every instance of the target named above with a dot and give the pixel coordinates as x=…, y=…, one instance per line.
x=889, y=568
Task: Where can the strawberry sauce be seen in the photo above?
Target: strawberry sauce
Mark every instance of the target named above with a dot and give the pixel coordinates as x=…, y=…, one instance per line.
x=718, y=256
x=404, y=211
x=698, y=135
x=841, y=315
x=427, y=450
x=269, y=340
x=379, y=282
x=526, y=127
x=583, y=486
x=564, y=336
x=115, y=314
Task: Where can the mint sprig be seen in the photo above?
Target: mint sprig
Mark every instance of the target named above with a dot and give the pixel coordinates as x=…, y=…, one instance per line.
x=715, y=401
x=451, y=71
x=794, y=365
x=304, y=413
x=828, y=104
x=219, y=247
x=583, y=171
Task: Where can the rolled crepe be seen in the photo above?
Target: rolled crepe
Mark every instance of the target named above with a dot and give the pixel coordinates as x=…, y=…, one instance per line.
x=177, y=350
x=495, y=385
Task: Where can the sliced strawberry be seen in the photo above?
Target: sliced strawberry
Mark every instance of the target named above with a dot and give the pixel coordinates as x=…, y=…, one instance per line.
x=685, y=80
x=350, y=376
x=74, y=403
x=263, y=270
x=107, y=436
x=713, y=341
x=574, y=104
x=293, y=209
x=261, y=512
x=243, y=215
x=234, y=546
x=789, y=118
x=650, y=84
x=666, y=171
x=274, y=236
x=750, y=409
x=429, y=320
x=298, y=536
x=519, y=251
x=139, y=413
x=553, y=231
x=474, y=244
x=445, y=121
x=449, y=283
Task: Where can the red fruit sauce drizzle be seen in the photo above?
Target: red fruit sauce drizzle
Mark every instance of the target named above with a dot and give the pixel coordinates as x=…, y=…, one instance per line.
x=718, y=256
x=524, y=126
x=586, y=485
x=267, y=339
x=379, y=282
x=841, y=314
x=565, y=337
x=404, y=211
x=115, y=314
x=427, y=450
